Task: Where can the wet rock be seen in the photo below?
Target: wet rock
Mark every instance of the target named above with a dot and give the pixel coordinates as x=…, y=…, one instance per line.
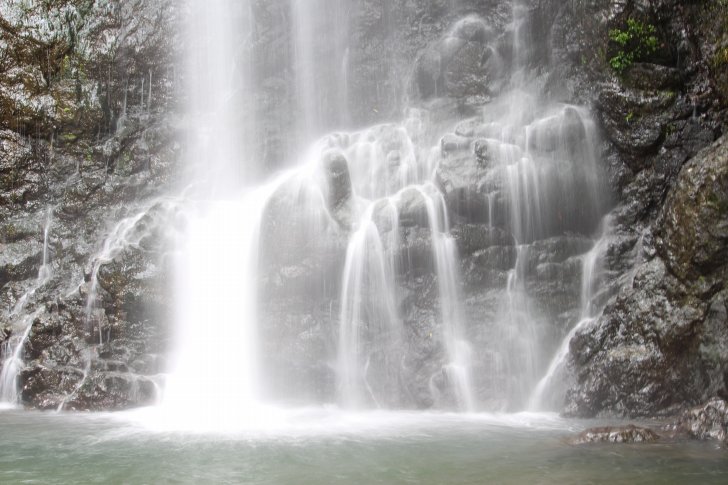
x=451, y=144
x=112, y=390
x=502, y=258
x=21, y=170
x=428, y=74
x=473, y=29
x=471, y=238
x=709, y=421
x=471, y=128
x=45, y=387
x=463, y=64
x=412, y=208
x=653, y=77
x=648, y=336
x=632, y=119
x=19, y=261
x=639, y=136
x=483, y=153
x=615, y=434
x=563, y=130
x=466, y=73
x=337, y=173
x=693, y=228
x=461, y=178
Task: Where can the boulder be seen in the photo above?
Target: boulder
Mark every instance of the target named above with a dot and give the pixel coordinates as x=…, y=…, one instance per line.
x=693, y=227
x=336, y=169
x=709, y=421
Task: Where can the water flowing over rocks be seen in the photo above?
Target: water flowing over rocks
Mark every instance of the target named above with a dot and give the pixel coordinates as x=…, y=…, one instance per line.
x=86, y=136
x=664, y=334
x=487, y=142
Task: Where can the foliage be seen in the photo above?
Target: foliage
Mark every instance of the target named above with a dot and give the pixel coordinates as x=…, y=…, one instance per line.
x=636, y=42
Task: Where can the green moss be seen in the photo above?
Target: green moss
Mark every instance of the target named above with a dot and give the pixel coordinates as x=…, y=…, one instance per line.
x=720, y=205
x=636, y=42
x=10, y=233
x=720, y=58
x=68, y=137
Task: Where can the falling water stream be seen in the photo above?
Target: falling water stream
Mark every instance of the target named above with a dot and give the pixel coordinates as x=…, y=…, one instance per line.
x=14, y=347
x=362, y=186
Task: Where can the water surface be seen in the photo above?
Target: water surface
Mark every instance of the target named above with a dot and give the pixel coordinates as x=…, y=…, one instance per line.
x=327, y=446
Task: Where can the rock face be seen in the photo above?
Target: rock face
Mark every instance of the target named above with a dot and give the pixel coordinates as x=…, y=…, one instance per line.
x=662, y=341
x=86, y=141
x=89, y=130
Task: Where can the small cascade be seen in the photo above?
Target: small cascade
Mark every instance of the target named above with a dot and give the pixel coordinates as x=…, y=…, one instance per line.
x=542, y=183
x=89, y=356
x=368, y=308
x=517, y=337
x=44, y=272
x=370, y=335
x=127, y=233
x=391, y=169
x=446, y=264
x=13, y=360
x=546, y=394
x=12, y=351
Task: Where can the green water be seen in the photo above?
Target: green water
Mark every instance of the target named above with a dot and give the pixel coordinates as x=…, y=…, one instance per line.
x=381, y=448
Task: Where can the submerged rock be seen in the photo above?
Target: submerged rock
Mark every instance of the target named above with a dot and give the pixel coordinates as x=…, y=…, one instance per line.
x=615, y=434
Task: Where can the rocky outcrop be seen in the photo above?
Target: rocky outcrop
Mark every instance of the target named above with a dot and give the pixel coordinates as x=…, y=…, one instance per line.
x=661, y=343
x=87, y=140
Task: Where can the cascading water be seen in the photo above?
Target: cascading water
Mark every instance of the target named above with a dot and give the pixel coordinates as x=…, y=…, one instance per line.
x=13, y=348
x=363, y=227
x=320, y=65
x=544, y=396
x=213, y=372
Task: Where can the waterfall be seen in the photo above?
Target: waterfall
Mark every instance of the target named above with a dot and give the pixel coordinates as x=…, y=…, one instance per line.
x=446, y=260
x=214, y=374
x=320, y=30
x=367, y=307
x=213, y=371
x=363, y=225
